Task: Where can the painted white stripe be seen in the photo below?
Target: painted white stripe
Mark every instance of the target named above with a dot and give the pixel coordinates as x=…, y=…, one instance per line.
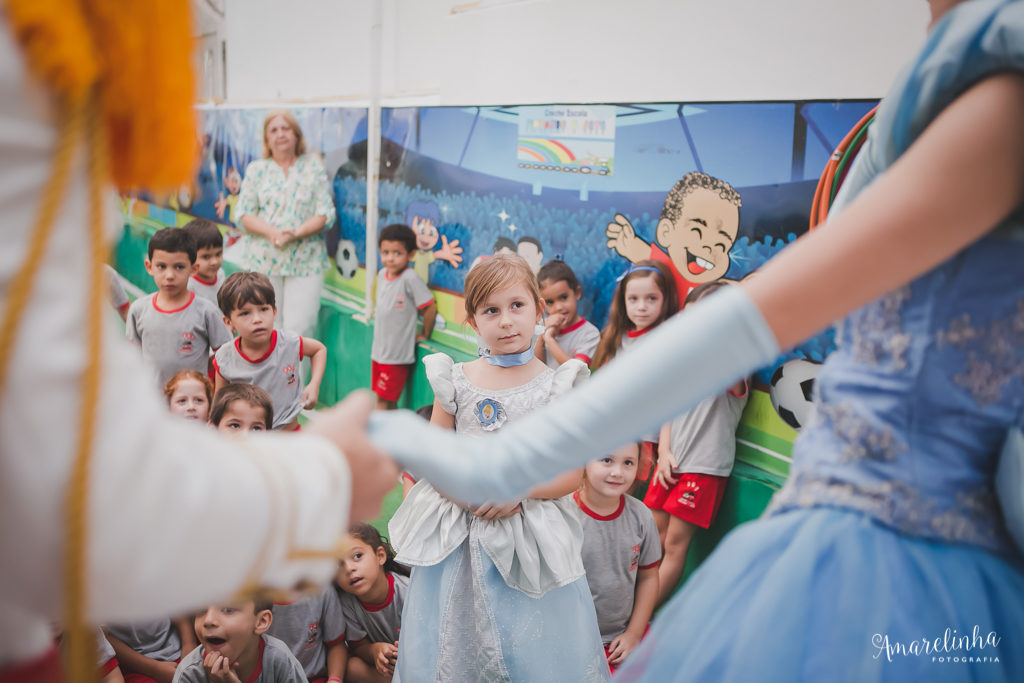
x=766, y=451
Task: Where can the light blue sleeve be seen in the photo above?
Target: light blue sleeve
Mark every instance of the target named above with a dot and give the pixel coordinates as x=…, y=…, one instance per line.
x=697, y=353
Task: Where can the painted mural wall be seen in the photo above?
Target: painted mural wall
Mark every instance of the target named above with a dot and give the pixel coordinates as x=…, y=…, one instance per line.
x=588, y=184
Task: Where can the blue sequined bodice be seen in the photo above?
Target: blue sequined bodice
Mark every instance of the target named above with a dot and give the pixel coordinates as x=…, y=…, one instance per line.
x=918, y=398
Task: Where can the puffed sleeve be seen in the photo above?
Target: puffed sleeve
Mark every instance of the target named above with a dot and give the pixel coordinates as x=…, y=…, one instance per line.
x=322, y=192
x=439, y=374
x=248, y=196
x=569, y=374
x=177, y=516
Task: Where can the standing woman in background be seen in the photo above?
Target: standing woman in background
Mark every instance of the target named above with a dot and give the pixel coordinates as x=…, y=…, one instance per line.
x=284, y=205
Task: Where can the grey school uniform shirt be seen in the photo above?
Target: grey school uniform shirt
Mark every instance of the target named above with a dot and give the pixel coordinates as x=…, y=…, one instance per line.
x=703, y=440
x=394, y=325
x=179, y=339
x=615, y=548
x=579, y=341
x=157, y=639
x=379, y=623
x=309, y=627
x=207, y=290
x=276, y=372
x=276, y=664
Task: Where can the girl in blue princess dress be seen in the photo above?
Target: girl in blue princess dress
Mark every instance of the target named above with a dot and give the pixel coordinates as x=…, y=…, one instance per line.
x=498, y=590
x=886, y=556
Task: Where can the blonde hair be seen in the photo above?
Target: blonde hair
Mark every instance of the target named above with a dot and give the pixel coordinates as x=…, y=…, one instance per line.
x=494, y=274
x=300, y=141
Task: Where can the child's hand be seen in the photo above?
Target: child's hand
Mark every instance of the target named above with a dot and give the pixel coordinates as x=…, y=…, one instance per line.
x=219, y=668
x=310, y=395
x=620, y=648
x=420, y=337
x=449, y=252
x=385, y=655
x=553, y=324
x=497, y=511
x=220, y=205
x=663, y=474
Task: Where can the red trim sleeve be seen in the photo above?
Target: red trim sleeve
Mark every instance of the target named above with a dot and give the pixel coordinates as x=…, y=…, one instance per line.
x=746, y=390
x=300, y=348
x=216, y=368
x=583, y=357
x=408, y=477
x=109, y=666
x=124, y=306
x=421, y=307
x=337, y=640
x=652, y=565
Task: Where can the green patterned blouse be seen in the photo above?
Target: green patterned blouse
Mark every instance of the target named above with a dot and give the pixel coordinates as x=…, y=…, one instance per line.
x=285, y=200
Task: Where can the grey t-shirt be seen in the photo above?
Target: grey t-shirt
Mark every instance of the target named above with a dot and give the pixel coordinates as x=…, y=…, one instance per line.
x=614, y=548
x=276, y=372
x=157, y=639
x=176, y=340
x=379, y=623
x=207, y=290
x=579, y=341
x=703, y=440
x=394, y=320
x=115, y=290
x=309, y=627
x=276, y=664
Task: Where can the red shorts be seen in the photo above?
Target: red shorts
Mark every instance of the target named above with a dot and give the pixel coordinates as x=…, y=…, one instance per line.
x=45, y=668
x=695, y=498
x=388, y=380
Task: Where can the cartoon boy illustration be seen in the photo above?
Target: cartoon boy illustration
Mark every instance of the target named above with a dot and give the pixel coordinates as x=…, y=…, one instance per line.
x=423, y=217
x=529, y=248
x=232, y=183
x=696, y=232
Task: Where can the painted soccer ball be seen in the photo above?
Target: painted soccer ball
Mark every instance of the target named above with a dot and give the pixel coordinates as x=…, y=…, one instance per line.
x=346, y=260
x=792, y=386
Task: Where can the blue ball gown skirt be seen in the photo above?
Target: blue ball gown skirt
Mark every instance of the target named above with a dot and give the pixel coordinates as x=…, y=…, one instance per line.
x=747, y=613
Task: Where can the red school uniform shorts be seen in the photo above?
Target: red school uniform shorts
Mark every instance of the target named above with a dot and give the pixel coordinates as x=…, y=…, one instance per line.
x=388, y=380
x=695, y=498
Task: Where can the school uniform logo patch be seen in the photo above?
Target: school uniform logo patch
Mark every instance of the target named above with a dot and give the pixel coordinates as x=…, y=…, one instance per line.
x=289, y=372
x=399, y=302
x=689, y=495
x=186, y=342
x=312, y=636
x=635, y=562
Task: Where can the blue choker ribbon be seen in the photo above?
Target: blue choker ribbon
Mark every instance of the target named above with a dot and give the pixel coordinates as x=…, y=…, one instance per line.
x=508, y=360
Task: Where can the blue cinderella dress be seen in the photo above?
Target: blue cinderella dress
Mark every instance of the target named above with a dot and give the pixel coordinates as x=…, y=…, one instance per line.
x=885, y=556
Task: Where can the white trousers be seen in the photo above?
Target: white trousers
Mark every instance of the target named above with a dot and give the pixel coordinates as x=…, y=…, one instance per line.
x=298, y=302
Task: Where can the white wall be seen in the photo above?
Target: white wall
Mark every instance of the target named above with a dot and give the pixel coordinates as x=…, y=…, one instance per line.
x=523, y=51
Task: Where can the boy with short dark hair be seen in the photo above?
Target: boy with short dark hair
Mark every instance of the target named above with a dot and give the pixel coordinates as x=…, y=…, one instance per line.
x=234, y=646
x=209, y=276
x=401, y=295
x=264, y=356
x=241, y=408
x=175, y=328
x=566, y=333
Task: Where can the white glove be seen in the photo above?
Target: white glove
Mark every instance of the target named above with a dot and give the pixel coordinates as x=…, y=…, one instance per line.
x=697, y=353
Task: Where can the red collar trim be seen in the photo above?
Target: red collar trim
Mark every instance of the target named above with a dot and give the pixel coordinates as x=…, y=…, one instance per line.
x=201, y=281
x=259, y=663
x=573, y=328
x=389, y=278
x=601, y=518
x=633, y=334
x=191, y=298
x=270, y=350
x=391, y=596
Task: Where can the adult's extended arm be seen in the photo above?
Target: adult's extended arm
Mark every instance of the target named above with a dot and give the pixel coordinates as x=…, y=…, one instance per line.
x=959, y=179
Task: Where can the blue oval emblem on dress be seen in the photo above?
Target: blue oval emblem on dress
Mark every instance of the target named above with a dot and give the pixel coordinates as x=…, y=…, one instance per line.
x=487, y=411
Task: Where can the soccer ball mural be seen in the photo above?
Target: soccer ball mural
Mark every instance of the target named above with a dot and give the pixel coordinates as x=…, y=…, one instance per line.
x=346, y=260
x=791, y=390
